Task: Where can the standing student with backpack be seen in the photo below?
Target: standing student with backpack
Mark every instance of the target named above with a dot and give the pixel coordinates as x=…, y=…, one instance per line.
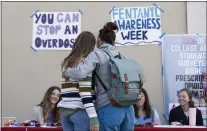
x=112, y=73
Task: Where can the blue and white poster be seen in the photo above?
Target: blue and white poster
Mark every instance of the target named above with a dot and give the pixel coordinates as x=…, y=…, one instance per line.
x=137, y=25
x=55, y=30
x=184, y=66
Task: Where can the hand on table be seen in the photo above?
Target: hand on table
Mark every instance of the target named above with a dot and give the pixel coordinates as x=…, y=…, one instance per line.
x=176, y=123
x=94, y=128
x=153, y=124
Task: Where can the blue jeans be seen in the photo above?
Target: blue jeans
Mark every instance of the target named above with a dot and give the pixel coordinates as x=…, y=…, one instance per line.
x=78, y=121
x=112, y=118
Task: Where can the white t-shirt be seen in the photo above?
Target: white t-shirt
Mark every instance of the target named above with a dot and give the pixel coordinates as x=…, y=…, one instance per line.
x=186, y=113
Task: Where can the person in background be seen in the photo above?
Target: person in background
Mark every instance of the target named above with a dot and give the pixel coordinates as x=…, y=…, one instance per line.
x=204, y=84
x=202, y=102
x=196, y=102
x=180, y=114
x=77, y=109
x=199, y=102
x=144, y=113
x=47, y=111
x=111, y=118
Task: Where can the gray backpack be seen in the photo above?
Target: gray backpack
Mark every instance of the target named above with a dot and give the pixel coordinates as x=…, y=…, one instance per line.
x=126, y=80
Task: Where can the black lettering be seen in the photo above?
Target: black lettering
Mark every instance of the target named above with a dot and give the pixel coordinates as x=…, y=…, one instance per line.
x=38, y=42
x=54, y=42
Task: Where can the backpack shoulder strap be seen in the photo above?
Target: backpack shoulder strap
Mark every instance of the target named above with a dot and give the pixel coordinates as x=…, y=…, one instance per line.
x=110, y=55
x=94, y=74
x=107, y=53
x=93, y=80
x=102, y=84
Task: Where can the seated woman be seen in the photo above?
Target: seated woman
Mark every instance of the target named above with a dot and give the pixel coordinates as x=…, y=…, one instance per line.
x=144, y=113
x=47, y=111
x=179, y=115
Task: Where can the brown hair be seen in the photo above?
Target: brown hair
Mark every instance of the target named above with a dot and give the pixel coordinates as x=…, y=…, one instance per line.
x=107, y=33
x=191, y=103
x=147, y=106
x=84, y=44
x=46, y=104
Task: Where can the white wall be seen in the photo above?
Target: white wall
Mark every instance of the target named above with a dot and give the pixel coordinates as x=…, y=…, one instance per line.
x=26, y=74
x=0, y=65
x=196, y=17
x=196, y=20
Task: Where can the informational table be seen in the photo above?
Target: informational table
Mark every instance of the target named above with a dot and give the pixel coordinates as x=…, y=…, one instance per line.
x=135, y=129
x=170, y=129
x=31, y=129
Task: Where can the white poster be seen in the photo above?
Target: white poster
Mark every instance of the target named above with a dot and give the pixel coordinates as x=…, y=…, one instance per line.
x=184, y=66
x=137, y=26
x=55, y=30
